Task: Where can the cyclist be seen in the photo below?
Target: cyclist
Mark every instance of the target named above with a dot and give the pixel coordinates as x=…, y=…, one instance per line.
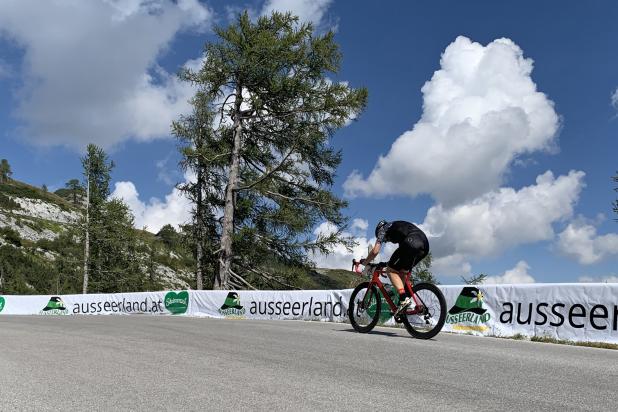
x=413, y=247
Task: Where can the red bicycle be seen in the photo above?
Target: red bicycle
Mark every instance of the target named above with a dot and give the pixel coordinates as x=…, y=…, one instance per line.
x=424, y=319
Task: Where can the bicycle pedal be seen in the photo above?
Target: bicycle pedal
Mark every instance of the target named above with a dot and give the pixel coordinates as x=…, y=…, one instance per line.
x=398, y=319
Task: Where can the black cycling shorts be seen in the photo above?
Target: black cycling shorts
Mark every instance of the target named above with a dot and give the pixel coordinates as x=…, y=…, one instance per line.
x=411, y=251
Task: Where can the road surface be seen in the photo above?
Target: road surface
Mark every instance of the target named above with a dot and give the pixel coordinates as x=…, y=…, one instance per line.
x=175, y=363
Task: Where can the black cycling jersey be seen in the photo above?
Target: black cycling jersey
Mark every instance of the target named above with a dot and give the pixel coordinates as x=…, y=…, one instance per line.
x=397, y=231
x=413, y=244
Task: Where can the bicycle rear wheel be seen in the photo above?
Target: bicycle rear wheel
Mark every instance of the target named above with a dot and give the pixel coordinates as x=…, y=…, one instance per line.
x=364, y=307
x=428, y=322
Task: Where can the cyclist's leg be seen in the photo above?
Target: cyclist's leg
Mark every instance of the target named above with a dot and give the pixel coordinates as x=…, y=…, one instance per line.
x=394, y=268
x=412, y=251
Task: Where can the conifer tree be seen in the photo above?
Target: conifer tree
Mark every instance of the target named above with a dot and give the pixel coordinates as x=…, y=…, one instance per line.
x=199, y=147
x=615, y=178
x=276, y=109
x=75, y=189
x=5, y=171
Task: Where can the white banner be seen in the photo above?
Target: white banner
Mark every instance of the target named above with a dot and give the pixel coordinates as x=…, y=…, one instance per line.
x=153, y=303
x=576, y=311
x=323, y=305
x=580, y=311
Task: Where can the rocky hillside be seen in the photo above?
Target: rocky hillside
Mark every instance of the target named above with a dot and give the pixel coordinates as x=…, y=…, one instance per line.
x=34, y=228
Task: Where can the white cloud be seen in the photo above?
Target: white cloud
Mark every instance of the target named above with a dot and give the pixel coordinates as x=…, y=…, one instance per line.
x=519, y=274
x=165, y=173
x=501, y=219
x=340, y=257
x=581, y=242
x=154, y=214
x=307, y=10
x=450, y=265
x=615, y=99
x=90, y=72
x=481, y=111
x=359, y=227
x=601, y=279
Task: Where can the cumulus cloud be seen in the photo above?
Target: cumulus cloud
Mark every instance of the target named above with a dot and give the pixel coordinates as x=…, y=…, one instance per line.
x=90, y=72
x=615, y=99
x=581, y=242
x=503, y=218
x=450, y=265
x=307, y=10
x=340, y=257
x=175, y=209
x=481, y=111
x=599, y=279
x=519, y=274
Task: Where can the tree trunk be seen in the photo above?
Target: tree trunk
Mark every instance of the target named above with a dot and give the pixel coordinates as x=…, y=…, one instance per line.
x=226, y=254
x=87, y=242
x=199, y=227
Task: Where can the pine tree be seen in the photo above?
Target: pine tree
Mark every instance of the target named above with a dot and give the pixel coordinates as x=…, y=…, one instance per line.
x=75, y=189
x=276, y=111
x=97, y=169
x=5, y=171
x=112, y=252
x=615, y=178
x=475, y=279
x=199, y=147
x=422, y=271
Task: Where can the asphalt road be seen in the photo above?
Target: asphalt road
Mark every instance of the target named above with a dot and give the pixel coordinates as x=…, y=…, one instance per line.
x=172, y=363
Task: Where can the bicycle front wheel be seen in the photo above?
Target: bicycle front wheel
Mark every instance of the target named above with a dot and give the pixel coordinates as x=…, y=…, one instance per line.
x=364, y=307
x=427, y=322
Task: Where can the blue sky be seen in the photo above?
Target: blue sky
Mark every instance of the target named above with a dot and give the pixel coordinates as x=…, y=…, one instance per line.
x=473, y=148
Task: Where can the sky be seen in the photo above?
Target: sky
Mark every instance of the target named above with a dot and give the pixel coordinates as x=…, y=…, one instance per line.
x=491, y=125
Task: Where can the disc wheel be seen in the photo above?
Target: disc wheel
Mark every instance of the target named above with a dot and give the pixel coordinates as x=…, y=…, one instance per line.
x=428, y=322
x=364, y=307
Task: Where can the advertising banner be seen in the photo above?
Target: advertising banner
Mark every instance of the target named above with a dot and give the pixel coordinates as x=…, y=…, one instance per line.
x=323, y=305
x=152, y=303
x=579, y=311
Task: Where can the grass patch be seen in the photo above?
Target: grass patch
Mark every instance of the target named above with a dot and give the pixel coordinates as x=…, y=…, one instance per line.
x=11, y=236
x=23, y=190
x=40, y=225
x=548, y=339
x=7, y=203
x=328, y=279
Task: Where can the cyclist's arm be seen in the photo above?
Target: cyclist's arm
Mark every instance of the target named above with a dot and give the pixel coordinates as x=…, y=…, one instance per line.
x=373, y=253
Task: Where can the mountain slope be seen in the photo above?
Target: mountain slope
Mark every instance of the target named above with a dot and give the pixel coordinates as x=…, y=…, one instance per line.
x=40, y=250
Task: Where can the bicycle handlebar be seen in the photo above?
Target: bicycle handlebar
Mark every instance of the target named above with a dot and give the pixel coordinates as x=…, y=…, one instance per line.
x=356, y=265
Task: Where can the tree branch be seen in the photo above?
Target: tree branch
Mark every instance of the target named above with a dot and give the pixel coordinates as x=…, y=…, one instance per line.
x=294, y=198
x=241, y=279
x=271, y=277
x=268, y=172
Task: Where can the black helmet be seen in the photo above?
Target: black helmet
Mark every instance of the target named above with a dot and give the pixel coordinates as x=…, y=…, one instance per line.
x=381, y=224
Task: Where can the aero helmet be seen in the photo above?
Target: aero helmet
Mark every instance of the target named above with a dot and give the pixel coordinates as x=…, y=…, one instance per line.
x=381, y=224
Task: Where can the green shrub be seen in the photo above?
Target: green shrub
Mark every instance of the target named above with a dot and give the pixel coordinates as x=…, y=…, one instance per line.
x=11, y=236
x=8, y=203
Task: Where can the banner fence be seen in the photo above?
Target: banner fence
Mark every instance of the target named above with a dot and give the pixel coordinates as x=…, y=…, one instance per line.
x=578, y=311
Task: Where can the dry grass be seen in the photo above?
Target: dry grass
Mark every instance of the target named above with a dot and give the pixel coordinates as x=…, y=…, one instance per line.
x=547, y=339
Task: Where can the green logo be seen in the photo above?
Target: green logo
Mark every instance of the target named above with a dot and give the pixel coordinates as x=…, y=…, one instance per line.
x=468, y=312
x=385, y=312
x=55, y=306
x=2, y=303
x=177, y=303
x=231, y=307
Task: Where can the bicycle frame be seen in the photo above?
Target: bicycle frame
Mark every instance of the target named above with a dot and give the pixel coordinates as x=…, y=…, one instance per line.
x=375, y=280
